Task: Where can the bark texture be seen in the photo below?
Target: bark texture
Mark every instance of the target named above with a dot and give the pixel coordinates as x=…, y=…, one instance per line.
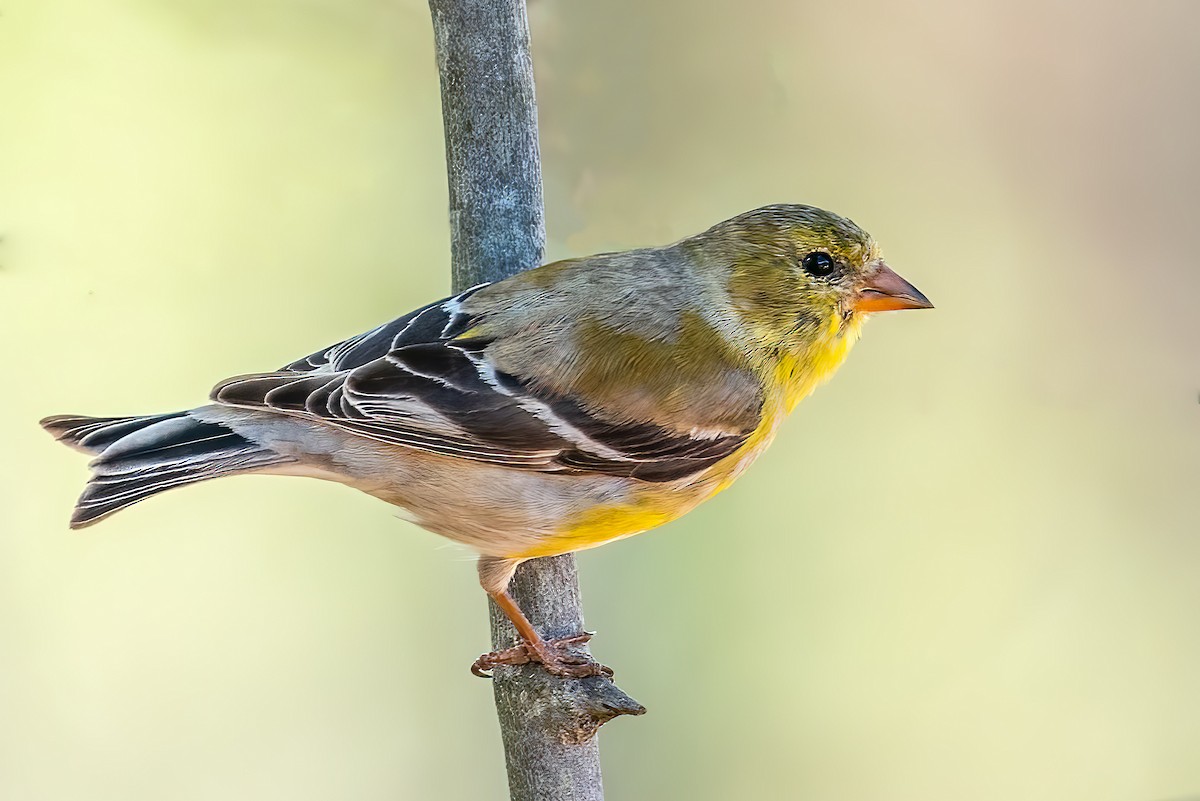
x=497, y=228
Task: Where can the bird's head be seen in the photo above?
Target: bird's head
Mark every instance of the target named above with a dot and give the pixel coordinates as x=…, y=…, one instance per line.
x=801, y=281
x=797, y=274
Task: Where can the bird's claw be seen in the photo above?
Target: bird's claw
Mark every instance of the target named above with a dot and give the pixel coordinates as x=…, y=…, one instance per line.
x=552, y=655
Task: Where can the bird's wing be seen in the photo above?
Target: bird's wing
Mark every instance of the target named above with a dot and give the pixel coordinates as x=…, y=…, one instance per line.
x=437, y=321
x=425, y=382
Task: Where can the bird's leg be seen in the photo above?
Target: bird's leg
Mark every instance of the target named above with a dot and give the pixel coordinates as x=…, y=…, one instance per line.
x=554, y=655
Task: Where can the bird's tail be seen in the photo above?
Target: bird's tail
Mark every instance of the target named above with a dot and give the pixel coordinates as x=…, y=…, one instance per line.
x=141, y=456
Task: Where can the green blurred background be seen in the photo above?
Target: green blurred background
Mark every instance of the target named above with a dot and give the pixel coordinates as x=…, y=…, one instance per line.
x=967, y=569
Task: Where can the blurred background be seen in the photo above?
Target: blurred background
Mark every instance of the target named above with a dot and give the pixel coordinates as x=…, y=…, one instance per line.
x=968, y=569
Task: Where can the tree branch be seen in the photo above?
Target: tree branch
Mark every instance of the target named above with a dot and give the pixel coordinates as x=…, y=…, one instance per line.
x=497, y=229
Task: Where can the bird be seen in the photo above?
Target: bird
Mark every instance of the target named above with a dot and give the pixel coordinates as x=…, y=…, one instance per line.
x=564, y=407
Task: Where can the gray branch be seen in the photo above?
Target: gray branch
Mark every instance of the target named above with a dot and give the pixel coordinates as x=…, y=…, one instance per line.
x=497, y=229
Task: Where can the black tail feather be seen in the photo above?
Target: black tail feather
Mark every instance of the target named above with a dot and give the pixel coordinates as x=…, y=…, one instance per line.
x=94, y=434
x=141, y=456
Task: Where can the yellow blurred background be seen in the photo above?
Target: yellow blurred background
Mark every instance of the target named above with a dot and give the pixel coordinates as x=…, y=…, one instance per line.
x=967, y=570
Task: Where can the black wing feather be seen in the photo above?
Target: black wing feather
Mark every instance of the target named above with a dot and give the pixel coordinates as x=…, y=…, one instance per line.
x=412, y=382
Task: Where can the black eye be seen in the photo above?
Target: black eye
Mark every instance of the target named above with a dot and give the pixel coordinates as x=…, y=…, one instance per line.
x=818, y=264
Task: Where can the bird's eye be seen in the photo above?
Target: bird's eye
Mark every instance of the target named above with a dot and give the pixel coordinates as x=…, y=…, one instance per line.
x=818, y=264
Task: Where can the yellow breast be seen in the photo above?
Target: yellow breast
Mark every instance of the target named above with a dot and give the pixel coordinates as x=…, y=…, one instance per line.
x=786, y=383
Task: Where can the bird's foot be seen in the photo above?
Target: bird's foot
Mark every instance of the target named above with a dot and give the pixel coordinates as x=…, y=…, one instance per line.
x=553, y=655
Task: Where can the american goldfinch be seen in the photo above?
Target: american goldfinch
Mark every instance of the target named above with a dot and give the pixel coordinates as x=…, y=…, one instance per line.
x=573, y=404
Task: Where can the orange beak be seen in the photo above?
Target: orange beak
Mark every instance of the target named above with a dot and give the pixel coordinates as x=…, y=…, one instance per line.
x=883, y=290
